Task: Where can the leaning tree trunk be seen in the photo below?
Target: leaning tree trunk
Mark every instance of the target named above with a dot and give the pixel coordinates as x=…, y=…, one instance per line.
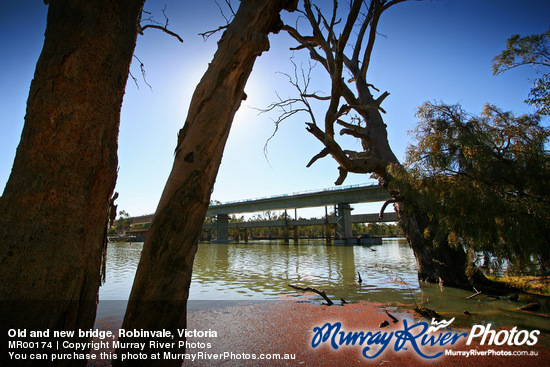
x=161, y=286
x=436, y=262
x=54, y=208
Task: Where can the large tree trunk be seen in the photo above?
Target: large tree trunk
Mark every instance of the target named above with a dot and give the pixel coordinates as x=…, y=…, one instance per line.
x=161, y=286
x=54, y=208
x=436, y=262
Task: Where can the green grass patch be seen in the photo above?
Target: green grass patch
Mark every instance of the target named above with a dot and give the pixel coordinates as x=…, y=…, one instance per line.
x=531, y=284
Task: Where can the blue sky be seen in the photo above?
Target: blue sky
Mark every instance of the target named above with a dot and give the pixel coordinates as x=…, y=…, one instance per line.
x=431, y=51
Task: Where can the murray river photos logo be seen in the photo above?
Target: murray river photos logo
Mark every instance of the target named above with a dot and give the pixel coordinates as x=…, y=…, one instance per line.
x=417, y=336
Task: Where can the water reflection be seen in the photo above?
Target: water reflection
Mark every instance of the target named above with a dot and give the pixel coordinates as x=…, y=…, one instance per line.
x=262, y=270
x=122, y=261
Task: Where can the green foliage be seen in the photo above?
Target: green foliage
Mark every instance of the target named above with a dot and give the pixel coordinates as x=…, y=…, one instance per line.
x=483, y=180
x=533, y=50
x=378, y=229
x=124, y=221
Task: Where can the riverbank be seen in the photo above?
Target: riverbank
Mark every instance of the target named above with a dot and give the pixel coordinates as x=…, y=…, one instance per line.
x=532, y=284
x=286, y=328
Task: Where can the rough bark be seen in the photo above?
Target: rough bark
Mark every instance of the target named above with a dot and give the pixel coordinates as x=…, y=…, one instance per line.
x=436, y=263
x=54, y=207
x=161, y=286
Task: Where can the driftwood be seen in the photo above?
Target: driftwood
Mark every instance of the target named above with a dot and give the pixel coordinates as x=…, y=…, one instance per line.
x=474, y=295
x=321, y=293
x=426, y=312
x=530, y=307
x=393, y=318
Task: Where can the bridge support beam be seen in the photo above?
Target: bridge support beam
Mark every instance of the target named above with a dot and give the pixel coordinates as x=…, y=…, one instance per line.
x=343, y=221
x=206, y=235
x=223, y=227
x=328, y=236
x=245, y=234
x=295, y=233
x=286, y=235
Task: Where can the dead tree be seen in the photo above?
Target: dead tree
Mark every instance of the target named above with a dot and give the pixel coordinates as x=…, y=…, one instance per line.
x=342, y=41
x=158, y=299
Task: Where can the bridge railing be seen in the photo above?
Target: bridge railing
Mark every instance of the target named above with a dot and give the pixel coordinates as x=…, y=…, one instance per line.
x=335, y=188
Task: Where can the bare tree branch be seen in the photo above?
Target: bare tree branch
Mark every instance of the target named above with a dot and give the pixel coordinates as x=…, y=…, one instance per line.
x=342, y=176
x=208, y=34
x=327, y=40
x=314, y=290
x=157, y=25
x=315, y=96
x=287, y=107
x=143, y=74
x=165, y=30
x=228, y=3
x=318, y=156
x=386, y=203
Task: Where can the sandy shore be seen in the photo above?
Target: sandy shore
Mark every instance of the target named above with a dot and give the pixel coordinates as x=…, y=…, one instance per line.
x=287, y=327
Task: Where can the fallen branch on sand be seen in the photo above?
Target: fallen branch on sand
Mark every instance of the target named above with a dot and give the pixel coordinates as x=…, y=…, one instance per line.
x=321, y=293
x=393, y=318
x=476, y=294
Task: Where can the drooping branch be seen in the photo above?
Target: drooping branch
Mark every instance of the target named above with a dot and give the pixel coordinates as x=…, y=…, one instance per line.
x=323, y=153
x=287, y=107
x=143, y=74
x=156, y=25
x=384, y=206
x=342, y=176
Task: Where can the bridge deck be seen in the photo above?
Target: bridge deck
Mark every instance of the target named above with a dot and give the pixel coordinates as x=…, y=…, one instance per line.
x=337, y=195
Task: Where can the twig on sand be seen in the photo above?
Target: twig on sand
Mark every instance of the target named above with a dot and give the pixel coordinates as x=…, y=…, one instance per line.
x=474, y=295
x=393, y=318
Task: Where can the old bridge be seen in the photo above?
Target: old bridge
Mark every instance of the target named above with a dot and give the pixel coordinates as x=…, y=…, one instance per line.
x=340, y=197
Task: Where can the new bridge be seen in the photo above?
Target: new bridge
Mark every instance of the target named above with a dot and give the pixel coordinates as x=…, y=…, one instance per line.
x=340, y=197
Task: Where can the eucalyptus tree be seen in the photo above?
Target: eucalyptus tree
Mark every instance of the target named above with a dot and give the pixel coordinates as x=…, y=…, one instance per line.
x=54, y=208
x=534, y=51
x=342, y=41
x=158, y=299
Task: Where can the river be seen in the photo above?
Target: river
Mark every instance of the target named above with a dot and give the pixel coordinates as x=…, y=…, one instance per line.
x=262, y=270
